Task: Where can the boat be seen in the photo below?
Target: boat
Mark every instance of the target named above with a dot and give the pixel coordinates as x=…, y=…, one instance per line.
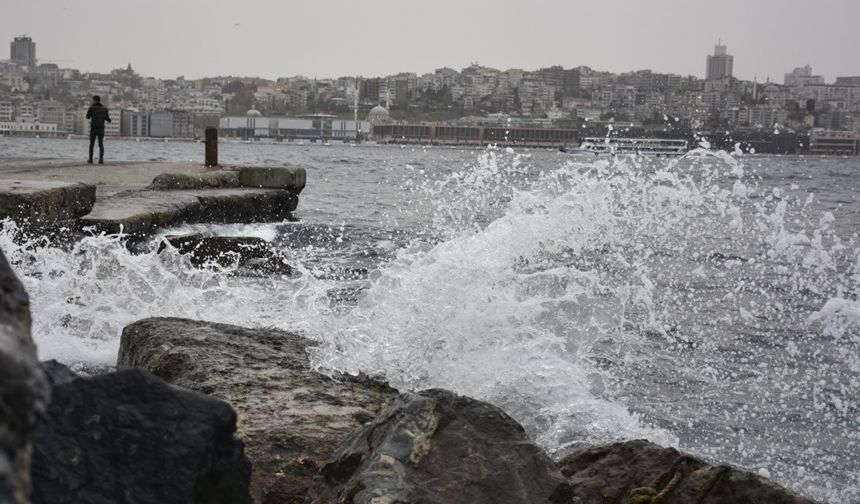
x=641, y=146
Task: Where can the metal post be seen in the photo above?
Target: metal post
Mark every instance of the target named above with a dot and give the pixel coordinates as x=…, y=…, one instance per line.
x=211, y=146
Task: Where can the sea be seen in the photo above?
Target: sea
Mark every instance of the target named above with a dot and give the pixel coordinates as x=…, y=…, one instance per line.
x=708, y=302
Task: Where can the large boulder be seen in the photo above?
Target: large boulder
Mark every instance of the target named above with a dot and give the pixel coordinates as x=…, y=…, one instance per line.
x=291, y=418
x=23, y=389
x=608, y=474
x=435, y=447
x=130, y=437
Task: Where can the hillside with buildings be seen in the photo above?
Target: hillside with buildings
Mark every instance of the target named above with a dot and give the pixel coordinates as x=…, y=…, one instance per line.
x=478, y=104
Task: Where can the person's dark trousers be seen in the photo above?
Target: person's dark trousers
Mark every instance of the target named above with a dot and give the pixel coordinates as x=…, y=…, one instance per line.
x=101, y=137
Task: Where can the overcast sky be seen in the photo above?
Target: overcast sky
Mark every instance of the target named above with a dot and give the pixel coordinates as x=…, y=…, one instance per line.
x=330, y=38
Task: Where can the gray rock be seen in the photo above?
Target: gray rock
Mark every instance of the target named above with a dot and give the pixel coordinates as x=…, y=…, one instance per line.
x=291, y=418
x=250, y=253
x=143, y=211
x=43, y=202
x=220, y=179
x=130, y=437
x=607, y=474
x=23, y=388
x=287, y=177
x=57, y=373
x=435, y=447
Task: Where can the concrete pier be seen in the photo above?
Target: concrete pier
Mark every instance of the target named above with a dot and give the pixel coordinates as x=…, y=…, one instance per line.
x=141, y=197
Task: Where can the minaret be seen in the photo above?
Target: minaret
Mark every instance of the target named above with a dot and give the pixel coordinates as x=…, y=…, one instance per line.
x=355, y=108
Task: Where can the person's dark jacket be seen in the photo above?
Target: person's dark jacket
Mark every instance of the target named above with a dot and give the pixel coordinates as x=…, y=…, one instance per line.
x=98, y=114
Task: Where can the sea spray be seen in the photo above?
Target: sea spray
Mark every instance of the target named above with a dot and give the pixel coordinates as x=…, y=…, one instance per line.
x=82, y=297
x=707, y=301
x=624, y=298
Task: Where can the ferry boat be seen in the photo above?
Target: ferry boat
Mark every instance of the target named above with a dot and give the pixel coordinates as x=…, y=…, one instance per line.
x=642, y=146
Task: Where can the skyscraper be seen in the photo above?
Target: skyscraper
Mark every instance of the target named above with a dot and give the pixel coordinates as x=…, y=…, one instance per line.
x=720, y=64
x=23, y=51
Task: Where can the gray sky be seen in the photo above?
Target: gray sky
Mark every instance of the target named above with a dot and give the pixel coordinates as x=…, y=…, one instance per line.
x=272, y=38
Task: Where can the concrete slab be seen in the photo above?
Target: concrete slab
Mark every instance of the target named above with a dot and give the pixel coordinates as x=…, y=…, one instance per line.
x=144, y=211
x=287, y=177
x=38, y=202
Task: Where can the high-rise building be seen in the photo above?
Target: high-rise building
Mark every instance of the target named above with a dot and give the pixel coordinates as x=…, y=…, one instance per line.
x=720, y=64
x=23, y=51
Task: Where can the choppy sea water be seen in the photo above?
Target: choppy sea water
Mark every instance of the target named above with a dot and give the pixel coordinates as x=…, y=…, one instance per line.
x=709, y=302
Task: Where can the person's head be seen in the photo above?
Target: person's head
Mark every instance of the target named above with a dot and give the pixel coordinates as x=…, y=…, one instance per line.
x=97, y=99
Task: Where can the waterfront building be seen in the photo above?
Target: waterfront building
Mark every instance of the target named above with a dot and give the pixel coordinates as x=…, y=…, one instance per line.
x=826, y=142
x=26, y=127
x=23, y=51
x=474, y=134
x=342, y=129
x=719, y=65
x=312, y=127
x=171, y=124
x=134, y=123
x=52, y=112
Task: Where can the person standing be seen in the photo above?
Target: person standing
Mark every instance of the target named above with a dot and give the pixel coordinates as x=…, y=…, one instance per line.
x=97, y=114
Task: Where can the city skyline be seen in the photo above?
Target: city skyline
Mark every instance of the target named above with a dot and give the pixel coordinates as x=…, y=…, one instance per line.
x=383, y=38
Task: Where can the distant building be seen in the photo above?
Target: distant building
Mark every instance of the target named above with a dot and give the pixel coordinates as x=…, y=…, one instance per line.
x=371, y=90
x=254, y=125
x=348, y=129
x=27, y=124
x=23, y=51
x=848, y=81
x=826, y=142
x=171, y=124
x=52, y=112
x=802, y=76
x=134, y=123
x=13, y=77
x=7, y=112
x=378, y=114
x=719, y=65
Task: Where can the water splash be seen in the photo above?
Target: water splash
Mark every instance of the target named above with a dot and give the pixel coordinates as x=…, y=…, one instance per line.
x=691, y=301
x=82, y=297
x=628, y=298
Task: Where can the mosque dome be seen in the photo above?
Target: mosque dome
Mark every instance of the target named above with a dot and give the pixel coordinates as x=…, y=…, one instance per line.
x=254, y=113
x=378, y=114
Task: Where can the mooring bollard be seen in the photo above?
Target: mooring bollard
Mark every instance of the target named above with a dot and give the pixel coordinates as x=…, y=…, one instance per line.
x=211, y=146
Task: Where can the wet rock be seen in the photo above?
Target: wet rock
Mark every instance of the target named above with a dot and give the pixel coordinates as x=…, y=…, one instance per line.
x=291, y=418
x=286, y=177
x=437, y=447
x=23, y=388
x=141, y=212
x=251, y=254
x=42, y=202
x=57, y=373
x=130, y=437
x=220, y=179
x=608, y=474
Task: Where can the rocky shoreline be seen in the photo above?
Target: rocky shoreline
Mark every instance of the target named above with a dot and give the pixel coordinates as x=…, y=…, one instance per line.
x=212, y=413
x=199, y=412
